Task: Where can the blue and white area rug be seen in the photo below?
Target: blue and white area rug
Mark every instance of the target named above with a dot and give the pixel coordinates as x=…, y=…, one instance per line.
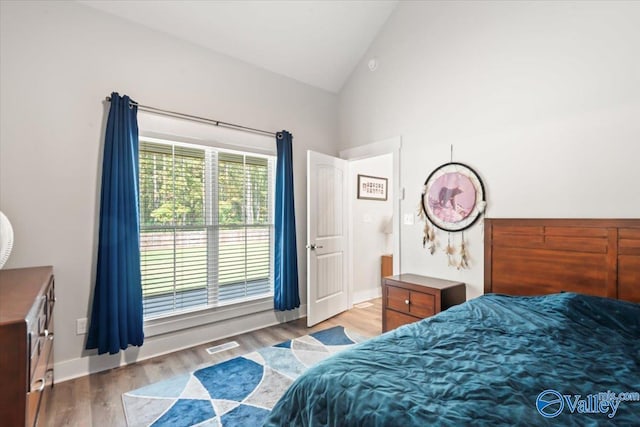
x=238, y=392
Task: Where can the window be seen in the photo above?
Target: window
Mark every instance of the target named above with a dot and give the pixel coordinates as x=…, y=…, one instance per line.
x=206, y=226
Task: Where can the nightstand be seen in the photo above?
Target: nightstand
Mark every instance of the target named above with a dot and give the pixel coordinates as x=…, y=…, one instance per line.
x=407, y=298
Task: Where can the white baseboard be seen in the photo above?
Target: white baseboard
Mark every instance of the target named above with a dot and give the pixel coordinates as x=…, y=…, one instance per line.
x=168, y=343
x=366, y=295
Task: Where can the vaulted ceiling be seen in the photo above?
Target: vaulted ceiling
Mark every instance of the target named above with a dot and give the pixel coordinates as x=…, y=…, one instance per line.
x=315, y=42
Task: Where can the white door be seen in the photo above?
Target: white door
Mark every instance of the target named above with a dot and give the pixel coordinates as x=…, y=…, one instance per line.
x=327, y=293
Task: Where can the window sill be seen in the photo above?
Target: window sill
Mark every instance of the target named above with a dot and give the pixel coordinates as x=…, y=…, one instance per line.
x=191, y=319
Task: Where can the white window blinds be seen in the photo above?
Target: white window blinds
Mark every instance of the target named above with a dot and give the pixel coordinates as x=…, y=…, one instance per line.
x=206, y=226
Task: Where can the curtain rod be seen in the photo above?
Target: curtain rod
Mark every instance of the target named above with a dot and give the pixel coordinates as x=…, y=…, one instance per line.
x=198, y=119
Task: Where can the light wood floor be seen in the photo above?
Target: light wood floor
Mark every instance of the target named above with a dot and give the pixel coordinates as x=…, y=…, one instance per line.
x=95, y=400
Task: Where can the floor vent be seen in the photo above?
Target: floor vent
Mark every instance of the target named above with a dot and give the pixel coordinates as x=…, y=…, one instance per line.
x=363, y=305
x=222, y=347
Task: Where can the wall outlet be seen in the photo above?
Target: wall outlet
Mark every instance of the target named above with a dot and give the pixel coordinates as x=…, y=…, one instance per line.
x=81, y=326
x=408, y=219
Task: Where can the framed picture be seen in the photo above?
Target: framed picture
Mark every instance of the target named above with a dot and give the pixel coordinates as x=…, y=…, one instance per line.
x=453, y=197
x=372, y=187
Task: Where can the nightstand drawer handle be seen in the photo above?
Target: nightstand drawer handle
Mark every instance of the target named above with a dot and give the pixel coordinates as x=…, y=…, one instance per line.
x=406, y=301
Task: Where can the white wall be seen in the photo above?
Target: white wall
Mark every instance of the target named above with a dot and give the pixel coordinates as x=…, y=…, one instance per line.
x=58, y=62
x=368, y=221
x=541, y=98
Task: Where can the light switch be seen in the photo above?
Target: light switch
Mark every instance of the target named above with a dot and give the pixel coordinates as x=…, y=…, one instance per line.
x=81, y=326
x=408, y=219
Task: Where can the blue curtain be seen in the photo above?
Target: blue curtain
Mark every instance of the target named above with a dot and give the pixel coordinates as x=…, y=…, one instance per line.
x=286, y=296
x=116, y=318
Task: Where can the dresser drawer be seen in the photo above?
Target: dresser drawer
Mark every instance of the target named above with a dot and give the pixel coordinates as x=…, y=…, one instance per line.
x=41, y=383
x=51, y=299
x=37, y=399
x=41, y=363
x=38, y=335
x=33, y=400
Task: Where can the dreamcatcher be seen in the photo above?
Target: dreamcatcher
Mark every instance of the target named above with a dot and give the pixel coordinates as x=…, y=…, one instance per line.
x=452, y=200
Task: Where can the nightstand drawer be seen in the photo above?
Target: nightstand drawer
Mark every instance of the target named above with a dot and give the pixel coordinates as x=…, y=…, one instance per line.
x=395, y=319
x=398, y=299
x=421, y=305
x=410, y=302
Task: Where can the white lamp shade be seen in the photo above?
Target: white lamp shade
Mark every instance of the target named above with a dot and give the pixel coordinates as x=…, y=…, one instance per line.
x=6, y=239
x=387, y=225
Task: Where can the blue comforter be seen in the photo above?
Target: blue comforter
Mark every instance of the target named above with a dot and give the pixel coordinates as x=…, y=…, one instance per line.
x=485, y=362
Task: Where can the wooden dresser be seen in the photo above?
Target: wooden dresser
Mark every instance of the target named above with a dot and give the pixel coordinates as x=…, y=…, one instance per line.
x=27, y=296
x=407, y=298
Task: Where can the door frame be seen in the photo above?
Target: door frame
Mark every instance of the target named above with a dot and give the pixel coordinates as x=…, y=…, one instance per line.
x=391, y=146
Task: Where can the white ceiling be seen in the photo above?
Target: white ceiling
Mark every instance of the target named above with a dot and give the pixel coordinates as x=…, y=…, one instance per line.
x=315, y=42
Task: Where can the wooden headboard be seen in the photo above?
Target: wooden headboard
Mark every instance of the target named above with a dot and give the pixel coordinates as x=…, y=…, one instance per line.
x=541, y=256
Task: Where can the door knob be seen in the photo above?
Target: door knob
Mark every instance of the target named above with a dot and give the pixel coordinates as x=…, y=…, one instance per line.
x=313, y=246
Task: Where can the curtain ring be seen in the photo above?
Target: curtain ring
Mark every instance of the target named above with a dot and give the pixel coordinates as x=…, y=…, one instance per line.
x=279, y=135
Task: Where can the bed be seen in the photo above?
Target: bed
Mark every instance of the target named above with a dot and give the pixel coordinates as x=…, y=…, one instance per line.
x=566, y=322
